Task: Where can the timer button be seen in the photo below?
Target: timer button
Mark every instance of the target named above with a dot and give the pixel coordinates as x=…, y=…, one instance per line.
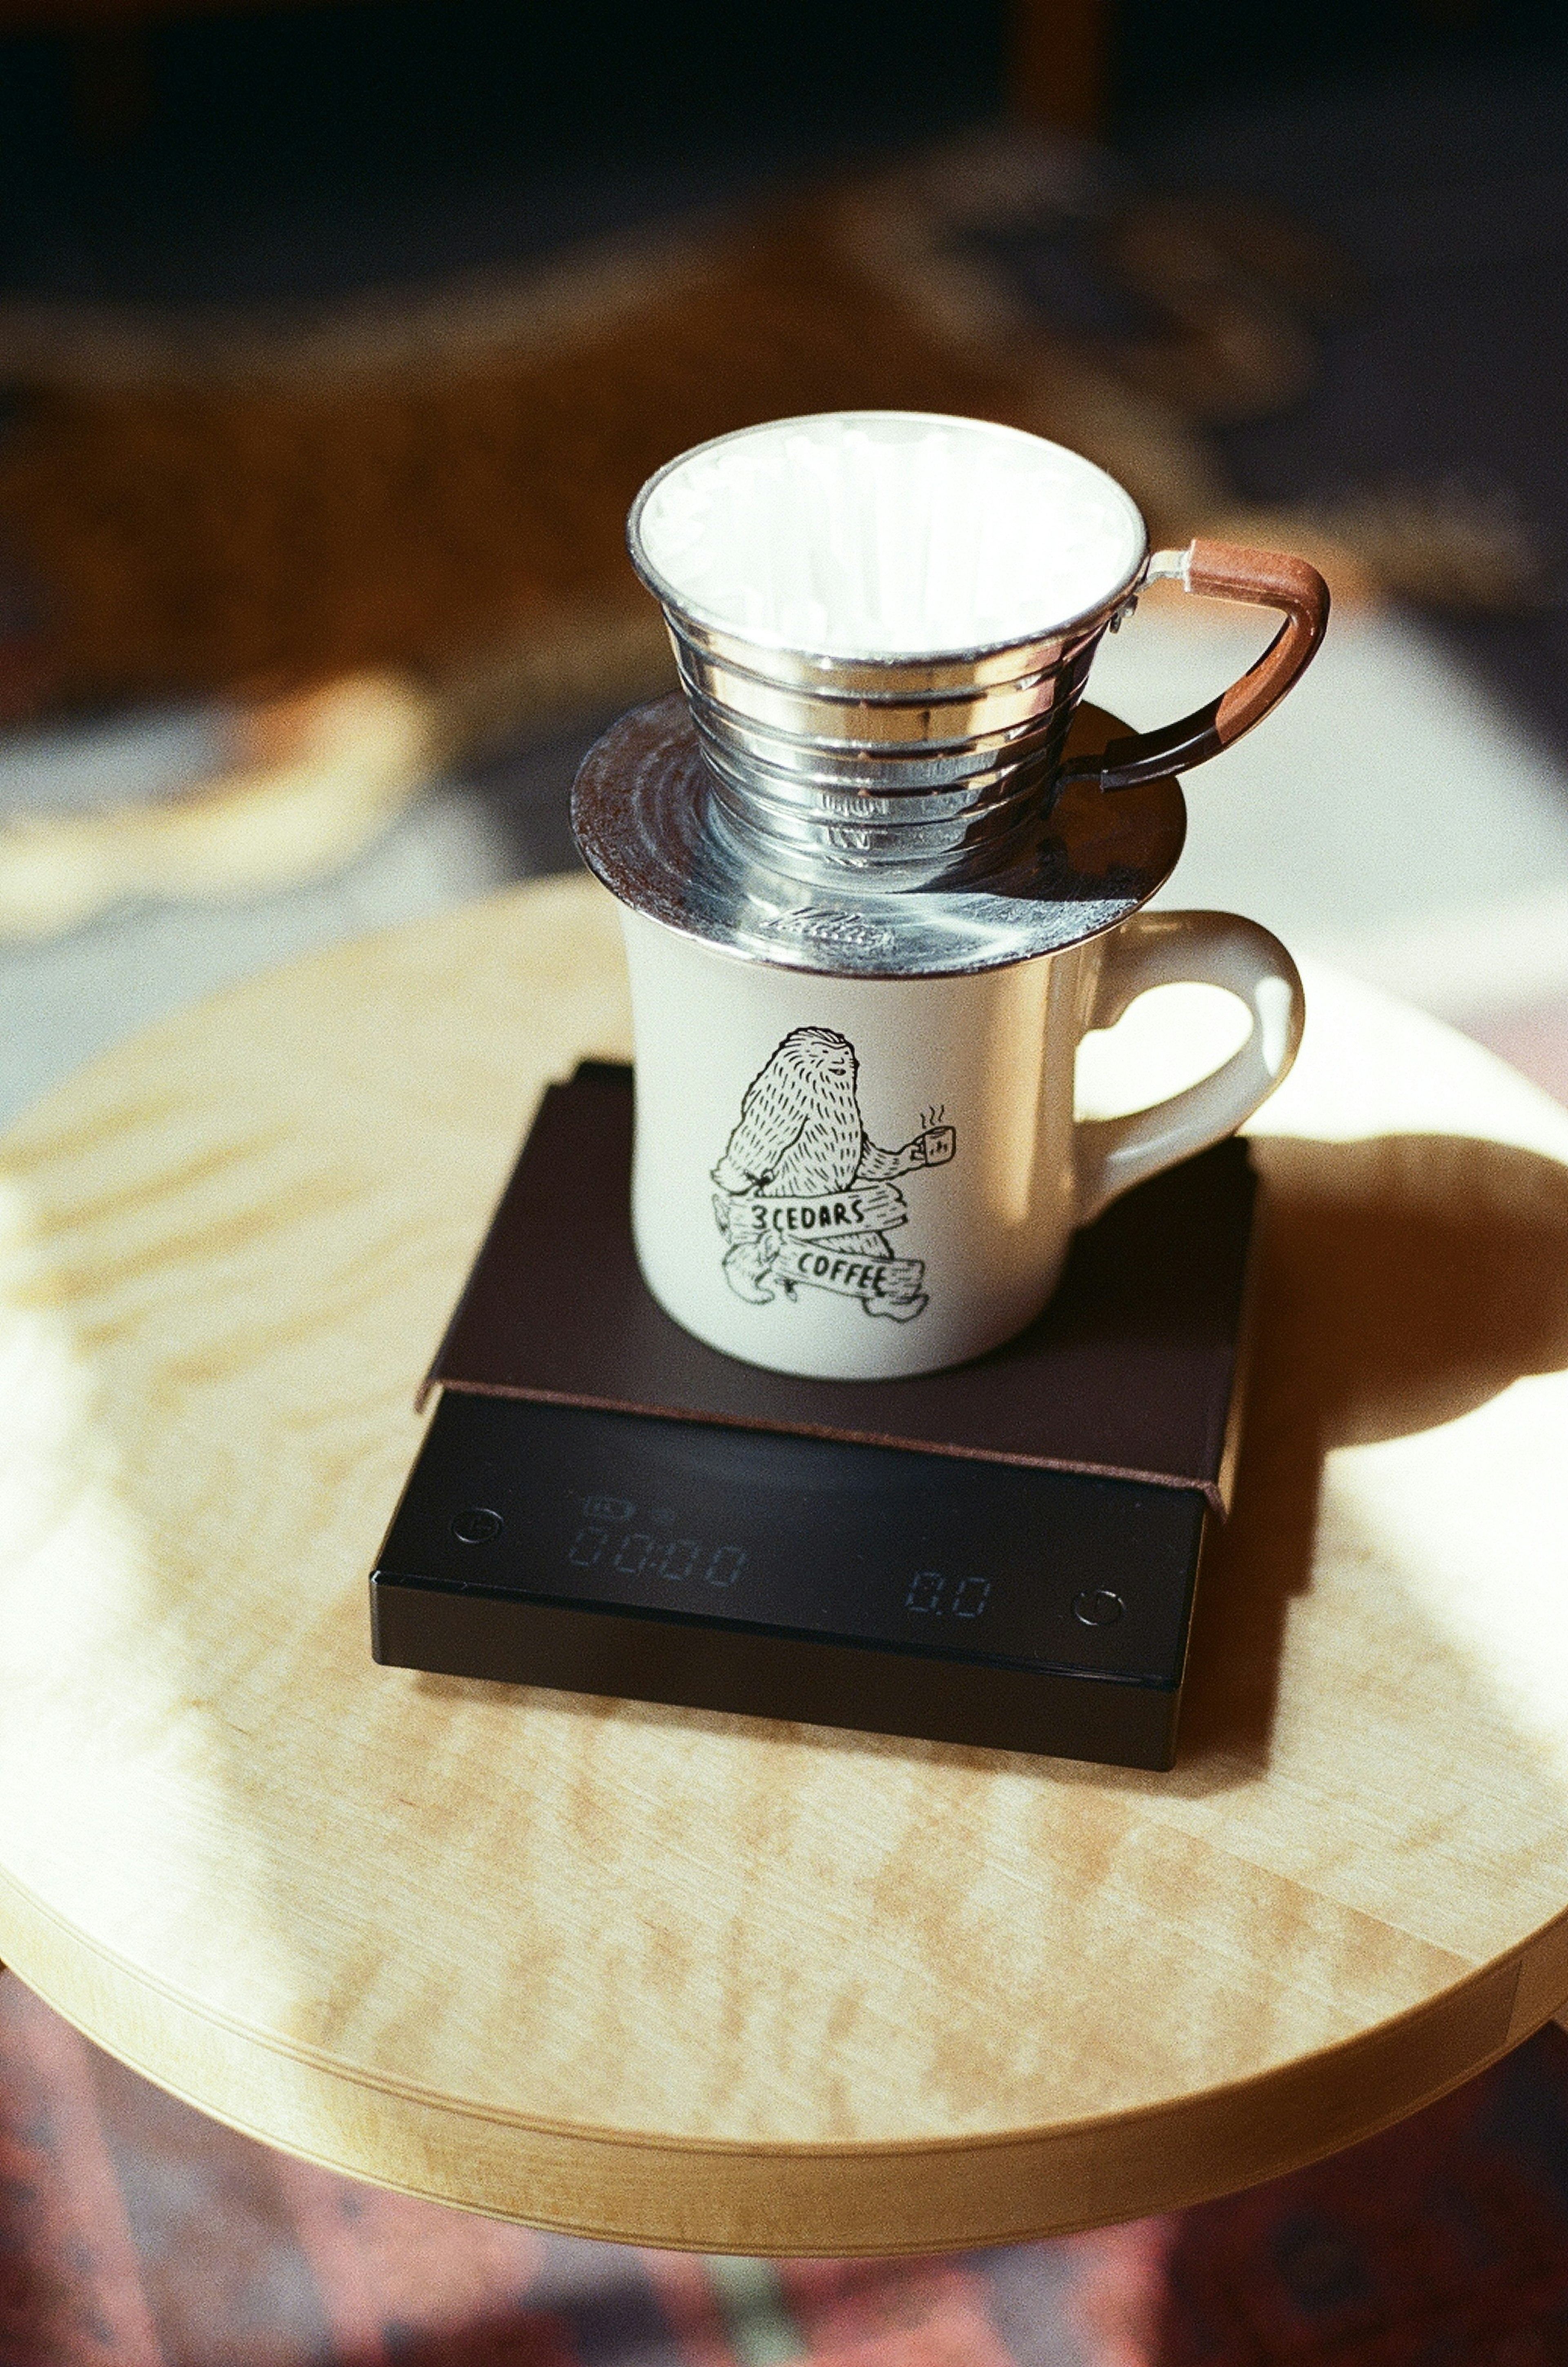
x=476, y=1525
x=1097, y=1607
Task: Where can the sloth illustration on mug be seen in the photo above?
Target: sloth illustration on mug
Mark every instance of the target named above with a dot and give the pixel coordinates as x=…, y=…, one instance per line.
x=805, y=1198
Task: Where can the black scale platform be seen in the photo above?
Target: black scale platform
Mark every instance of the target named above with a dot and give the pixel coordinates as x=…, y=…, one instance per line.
x=1004, y=1555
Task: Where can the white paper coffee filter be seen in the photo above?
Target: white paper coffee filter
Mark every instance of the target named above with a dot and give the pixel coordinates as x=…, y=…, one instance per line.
x=886, y=534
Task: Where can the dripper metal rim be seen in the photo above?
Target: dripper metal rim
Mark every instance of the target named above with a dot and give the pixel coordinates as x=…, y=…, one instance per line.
x=909, y=666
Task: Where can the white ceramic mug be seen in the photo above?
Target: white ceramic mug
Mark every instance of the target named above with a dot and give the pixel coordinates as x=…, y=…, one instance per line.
x=855, y=1179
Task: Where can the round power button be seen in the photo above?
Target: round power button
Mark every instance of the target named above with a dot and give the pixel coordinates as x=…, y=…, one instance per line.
x=476, y=1525
x=1097, y=1607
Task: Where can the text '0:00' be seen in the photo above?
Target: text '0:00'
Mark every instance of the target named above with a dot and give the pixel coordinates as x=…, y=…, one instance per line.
x=636, y=1555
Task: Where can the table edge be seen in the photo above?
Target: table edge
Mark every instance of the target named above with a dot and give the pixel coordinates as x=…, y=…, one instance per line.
x=874, y=2199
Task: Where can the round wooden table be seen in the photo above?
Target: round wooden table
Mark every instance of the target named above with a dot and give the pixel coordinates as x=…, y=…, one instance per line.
x=707, y=1981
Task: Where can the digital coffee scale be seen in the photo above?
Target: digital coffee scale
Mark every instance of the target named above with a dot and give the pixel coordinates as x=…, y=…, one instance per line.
x=1004, y=1555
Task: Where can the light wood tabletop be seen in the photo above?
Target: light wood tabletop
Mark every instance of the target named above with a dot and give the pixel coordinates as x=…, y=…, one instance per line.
x=708, y=1981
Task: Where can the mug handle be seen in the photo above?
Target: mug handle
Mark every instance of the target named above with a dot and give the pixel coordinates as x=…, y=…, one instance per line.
x=1223, y=570
x=1178, y=949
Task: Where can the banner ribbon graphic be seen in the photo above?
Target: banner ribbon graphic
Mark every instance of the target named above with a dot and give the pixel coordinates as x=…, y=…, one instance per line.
x=863, y=1208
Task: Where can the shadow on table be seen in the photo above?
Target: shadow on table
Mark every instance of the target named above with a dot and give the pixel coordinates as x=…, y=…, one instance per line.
x=1407, y=1280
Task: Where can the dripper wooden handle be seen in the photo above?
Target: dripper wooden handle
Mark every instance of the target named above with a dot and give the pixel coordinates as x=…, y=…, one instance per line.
x=1261, y=579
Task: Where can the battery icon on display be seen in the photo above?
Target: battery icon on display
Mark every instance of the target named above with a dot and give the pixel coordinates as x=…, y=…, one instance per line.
x=608, y=1508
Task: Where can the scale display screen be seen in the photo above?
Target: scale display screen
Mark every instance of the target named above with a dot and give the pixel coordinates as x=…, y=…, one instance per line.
x=610, y=1537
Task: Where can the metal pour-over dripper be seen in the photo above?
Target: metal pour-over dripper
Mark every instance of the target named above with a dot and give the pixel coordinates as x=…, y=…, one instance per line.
x=884, y=622
x=883, y=766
